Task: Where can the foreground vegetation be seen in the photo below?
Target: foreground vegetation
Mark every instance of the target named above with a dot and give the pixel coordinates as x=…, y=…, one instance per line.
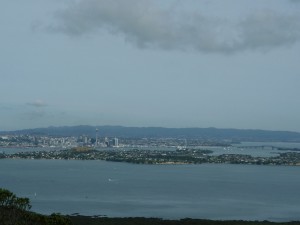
x=15, y=211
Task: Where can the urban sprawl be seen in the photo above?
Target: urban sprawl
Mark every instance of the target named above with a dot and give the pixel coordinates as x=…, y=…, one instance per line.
x=136, y=150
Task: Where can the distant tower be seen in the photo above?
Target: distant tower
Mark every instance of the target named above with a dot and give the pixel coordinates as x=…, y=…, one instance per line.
x=96, y=143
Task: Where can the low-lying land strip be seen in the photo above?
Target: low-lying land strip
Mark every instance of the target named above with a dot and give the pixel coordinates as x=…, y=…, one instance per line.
x=187, y=156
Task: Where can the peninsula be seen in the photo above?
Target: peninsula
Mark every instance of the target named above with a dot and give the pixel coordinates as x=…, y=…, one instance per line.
x=141, y=156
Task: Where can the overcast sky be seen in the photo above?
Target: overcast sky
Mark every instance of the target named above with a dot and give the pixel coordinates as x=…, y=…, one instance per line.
x=173, y=63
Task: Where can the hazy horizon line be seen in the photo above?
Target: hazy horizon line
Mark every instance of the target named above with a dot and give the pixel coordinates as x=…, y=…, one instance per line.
x=164, y=127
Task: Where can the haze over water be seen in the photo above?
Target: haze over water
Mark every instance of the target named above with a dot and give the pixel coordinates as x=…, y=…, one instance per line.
x=212, y=191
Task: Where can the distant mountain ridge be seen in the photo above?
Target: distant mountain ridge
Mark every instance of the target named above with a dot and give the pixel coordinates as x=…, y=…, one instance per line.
x=161, y=132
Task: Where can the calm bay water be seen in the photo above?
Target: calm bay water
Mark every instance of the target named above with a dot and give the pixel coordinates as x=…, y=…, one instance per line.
x=213, y=191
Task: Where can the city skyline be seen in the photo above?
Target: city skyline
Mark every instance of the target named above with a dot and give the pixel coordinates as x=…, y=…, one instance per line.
x=142, y=63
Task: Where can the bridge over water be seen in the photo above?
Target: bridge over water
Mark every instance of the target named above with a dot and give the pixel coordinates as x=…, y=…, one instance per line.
x=268, y=147
x=259, y=147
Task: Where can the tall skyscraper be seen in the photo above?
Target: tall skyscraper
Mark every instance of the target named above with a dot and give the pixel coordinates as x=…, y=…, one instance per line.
x=96, y=142
x=106, y=141
x=116, y=142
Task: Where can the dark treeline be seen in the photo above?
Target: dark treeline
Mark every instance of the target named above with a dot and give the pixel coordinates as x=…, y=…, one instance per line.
x=85, y=220
x=15, y=211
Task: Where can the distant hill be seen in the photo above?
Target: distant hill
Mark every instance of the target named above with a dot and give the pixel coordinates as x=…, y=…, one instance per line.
x=160, y=132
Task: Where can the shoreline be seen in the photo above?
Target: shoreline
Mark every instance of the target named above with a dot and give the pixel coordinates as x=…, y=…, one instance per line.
x=95, y=220
x=187, y=156
x=153, y=164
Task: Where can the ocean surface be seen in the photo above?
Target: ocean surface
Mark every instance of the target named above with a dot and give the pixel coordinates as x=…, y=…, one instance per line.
x=208, y=191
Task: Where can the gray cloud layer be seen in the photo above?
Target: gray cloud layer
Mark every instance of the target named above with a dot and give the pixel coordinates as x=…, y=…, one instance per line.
x=149, y=26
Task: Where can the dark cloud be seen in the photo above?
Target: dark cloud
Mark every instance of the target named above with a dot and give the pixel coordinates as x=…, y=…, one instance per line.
x=149, y=26
x=268, y=29
x=37, y=103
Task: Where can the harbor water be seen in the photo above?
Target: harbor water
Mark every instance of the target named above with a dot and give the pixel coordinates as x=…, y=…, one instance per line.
x=207, y=191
